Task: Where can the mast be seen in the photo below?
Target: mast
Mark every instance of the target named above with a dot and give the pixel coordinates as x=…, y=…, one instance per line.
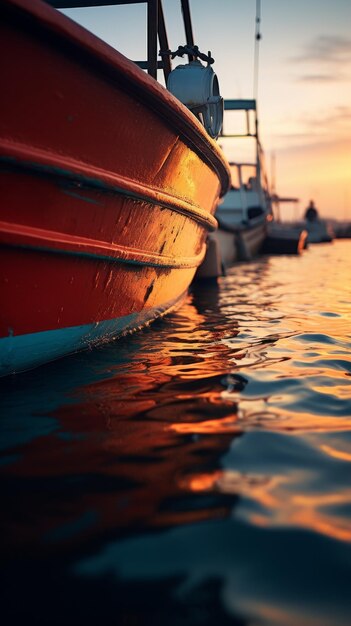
x=274, y=197
x=257, y=48
x=255, y=77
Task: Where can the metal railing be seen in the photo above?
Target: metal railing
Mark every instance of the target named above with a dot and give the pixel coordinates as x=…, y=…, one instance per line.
x=156, y=30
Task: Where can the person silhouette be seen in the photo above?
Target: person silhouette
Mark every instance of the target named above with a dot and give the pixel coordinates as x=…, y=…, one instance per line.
x=311, y=213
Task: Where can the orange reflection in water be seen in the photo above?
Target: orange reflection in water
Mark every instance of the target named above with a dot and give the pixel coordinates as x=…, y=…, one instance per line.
x=336, y=454
x=274, y=417
x=281, y=505
x=201, y=482
x=120, y=431
x=216, y=426
x=307, y=514
x=156, y=430
x=276, y=616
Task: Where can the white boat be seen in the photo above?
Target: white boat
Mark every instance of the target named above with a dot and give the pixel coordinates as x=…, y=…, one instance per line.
x=246, y=208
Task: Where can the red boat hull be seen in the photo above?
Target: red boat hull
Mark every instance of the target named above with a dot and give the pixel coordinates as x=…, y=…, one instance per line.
x=108, y=187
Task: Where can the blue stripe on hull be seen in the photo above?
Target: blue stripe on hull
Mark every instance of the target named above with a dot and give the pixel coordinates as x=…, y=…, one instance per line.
x=23, y=352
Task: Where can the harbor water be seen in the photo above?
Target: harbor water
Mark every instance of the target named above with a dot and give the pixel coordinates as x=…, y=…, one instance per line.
x=196, y=473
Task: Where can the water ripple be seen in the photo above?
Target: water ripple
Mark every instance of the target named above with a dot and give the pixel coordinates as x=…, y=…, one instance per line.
x=195, y=473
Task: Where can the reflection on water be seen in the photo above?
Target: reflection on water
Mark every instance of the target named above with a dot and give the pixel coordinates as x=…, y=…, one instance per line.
x=196, y=473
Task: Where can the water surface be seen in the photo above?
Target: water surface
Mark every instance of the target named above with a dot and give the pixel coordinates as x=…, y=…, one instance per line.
x=195, y=473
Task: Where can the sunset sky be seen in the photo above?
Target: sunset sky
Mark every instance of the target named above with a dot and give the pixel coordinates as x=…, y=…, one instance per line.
x=304, y=93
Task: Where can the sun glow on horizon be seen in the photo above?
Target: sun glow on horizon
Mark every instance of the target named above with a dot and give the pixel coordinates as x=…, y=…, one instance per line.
x=321, y=172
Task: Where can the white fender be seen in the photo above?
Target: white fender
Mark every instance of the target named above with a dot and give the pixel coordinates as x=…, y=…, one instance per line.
x=197, y=87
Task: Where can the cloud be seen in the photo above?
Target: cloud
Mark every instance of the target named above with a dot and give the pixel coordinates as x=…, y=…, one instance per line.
x=310, y=143
x=320, y=78
x=329, y=50
x=336, y=116
x=322, y=128
x=332, y=123
x=326, y=56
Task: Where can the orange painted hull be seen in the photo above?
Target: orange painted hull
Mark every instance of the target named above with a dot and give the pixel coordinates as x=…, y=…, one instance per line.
x=108, y=189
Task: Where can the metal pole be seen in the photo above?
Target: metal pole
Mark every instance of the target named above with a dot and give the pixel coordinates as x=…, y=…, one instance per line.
x=187, y=26
x=152, y=28
x=163, y=39
x=257, y=44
